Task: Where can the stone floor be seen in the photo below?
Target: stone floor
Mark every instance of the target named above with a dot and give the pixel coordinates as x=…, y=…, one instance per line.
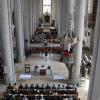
x=58, y=68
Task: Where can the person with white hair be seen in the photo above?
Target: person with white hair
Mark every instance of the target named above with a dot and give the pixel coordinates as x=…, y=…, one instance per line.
x=25, y=97
x=65, y=98
x=42, y=98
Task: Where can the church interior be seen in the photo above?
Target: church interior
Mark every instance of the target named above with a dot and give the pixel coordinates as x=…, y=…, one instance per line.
x=49, y=49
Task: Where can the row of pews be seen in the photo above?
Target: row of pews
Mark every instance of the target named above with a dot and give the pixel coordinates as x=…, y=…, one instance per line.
x=50, y=41
x=37, y=92
x=31, y=50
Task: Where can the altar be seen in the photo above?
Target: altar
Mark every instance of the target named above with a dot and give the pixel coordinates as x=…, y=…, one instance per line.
x=43, y=70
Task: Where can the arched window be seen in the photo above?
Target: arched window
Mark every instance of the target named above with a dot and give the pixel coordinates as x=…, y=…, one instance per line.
x=46, y=6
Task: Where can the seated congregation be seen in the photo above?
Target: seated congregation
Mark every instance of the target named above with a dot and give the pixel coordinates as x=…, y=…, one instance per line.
x=43, y=92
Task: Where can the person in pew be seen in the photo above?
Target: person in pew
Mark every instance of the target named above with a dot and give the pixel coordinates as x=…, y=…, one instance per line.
x=65, y=98
x=15, y=86
x=37, y=87
x=63, y=87
x=1, y=70
x=20, y=86
x=25, y=97
x=39, y=92
x=9, y=87
x=26, y=87
x=5, y=98
x=42, y=88
x=83, y=69
x=54, y=98
x=20, y=97
x=70, y=98
x=32, y=87
x=50, y=92
x=13, y=97
x=42, y=98
x=30, y=97
x=68, y=87
x=15, y=89
x=48, y=87
x=59, y=87
x=36, y=98
x=53, y=88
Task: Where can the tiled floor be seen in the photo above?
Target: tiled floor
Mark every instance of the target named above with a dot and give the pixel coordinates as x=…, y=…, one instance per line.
x=83, y=88
x=58, y=68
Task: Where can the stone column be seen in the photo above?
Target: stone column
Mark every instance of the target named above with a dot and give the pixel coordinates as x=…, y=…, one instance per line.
x=35, y=14
x=6, y=39
x=94, y=87
x=41, y=8
x=0, y=46
x=33, y=18
x=63, y=16
x=79, y=31
x=59, y=16
x=70, y=15
x=26, y=21
x=19, y=31
x=53, y=10
x=94, y=13
x=86, y=16
x=56, y=13
x=30, y=17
